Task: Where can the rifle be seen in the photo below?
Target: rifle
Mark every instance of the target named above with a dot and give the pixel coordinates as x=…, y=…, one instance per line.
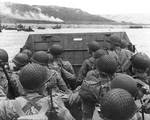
x=11, y=92
x=51, y=114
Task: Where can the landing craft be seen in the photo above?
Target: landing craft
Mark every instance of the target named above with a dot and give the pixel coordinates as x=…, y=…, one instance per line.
x=135, y=26
x=29, y=29
x=74, y=44
x=40, y=27
x=23, y=28
x=58, y=26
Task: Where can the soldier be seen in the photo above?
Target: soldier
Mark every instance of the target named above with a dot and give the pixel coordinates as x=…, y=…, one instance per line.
x=118, y=104
x=3, y=79
x=20, y=60
x=140, y=67
x=124, y=55
x=33, y=77
x=42, y=58
x=28, y=52
x=96, y=84
x=88, y=64
x=63, y=67
x=125, y=82
x=137, y=89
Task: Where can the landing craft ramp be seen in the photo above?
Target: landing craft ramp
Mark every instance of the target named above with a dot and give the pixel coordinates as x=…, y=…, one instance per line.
x=74, y=44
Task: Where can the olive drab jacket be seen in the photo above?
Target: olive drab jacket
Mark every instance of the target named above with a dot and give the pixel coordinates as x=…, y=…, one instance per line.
x=32, y=104
x=124, y=57
x=93, y=88
x=65, y=69
x=16, y=84
x=54, y=79
x=87, y=65
x=96, y=84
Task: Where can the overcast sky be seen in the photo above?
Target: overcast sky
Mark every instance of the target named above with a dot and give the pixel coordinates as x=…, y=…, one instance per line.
x=96, y=6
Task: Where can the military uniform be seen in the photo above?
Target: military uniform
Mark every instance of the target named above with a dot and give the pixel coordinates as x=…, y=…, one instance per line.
x=32, y=104
x=16, y=84
x=65, y=69
x=92, y=89
x=33, y=77
x=124, y=57
x=140, y=63
x=56, y=80
x=53, y=78
x=88, y=64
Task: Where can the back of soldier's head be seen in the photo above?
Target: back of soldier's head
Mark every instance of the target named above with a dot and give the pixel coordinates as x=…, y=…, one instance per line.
x=115, y=41
x=93, y=46
x=99, y=53
x=118, y=104
x=32, y=76
x=106, y=64
x=3, y=56
x=40, y=57
x=56, y=50
x=140, y=61
x=27, y=51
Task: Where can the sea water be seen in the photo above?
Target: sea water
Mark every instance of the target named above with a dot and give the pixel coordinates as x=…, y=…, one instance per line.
x=12, y=40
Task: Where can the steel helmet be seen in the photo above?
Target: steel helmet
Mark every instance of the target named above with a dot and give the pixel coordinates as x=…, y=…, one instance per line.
x=126, y=82
x=118, y=104
x=40, y=57
x=107, y=64
x=56, y=49
x=20, y=59
x=115, y=40
x=100, y=53
x=32, y=76
x=3, y=56
x=124, y=44
x=140, y=61
x=93, y=46
x=28, y=52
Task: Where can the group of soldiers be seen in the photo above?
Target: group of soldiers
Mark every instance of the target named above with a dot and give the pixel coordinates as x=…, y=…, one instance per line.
x=113, y=84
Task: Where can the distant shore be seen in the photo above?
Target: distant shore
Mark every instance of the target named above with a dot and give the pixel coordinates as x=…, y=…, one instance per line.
x=46, y=25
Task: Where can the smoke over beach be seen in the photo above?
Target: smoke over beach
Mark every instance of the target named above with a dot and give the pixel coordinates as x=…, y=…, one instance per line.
x=35, y=14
